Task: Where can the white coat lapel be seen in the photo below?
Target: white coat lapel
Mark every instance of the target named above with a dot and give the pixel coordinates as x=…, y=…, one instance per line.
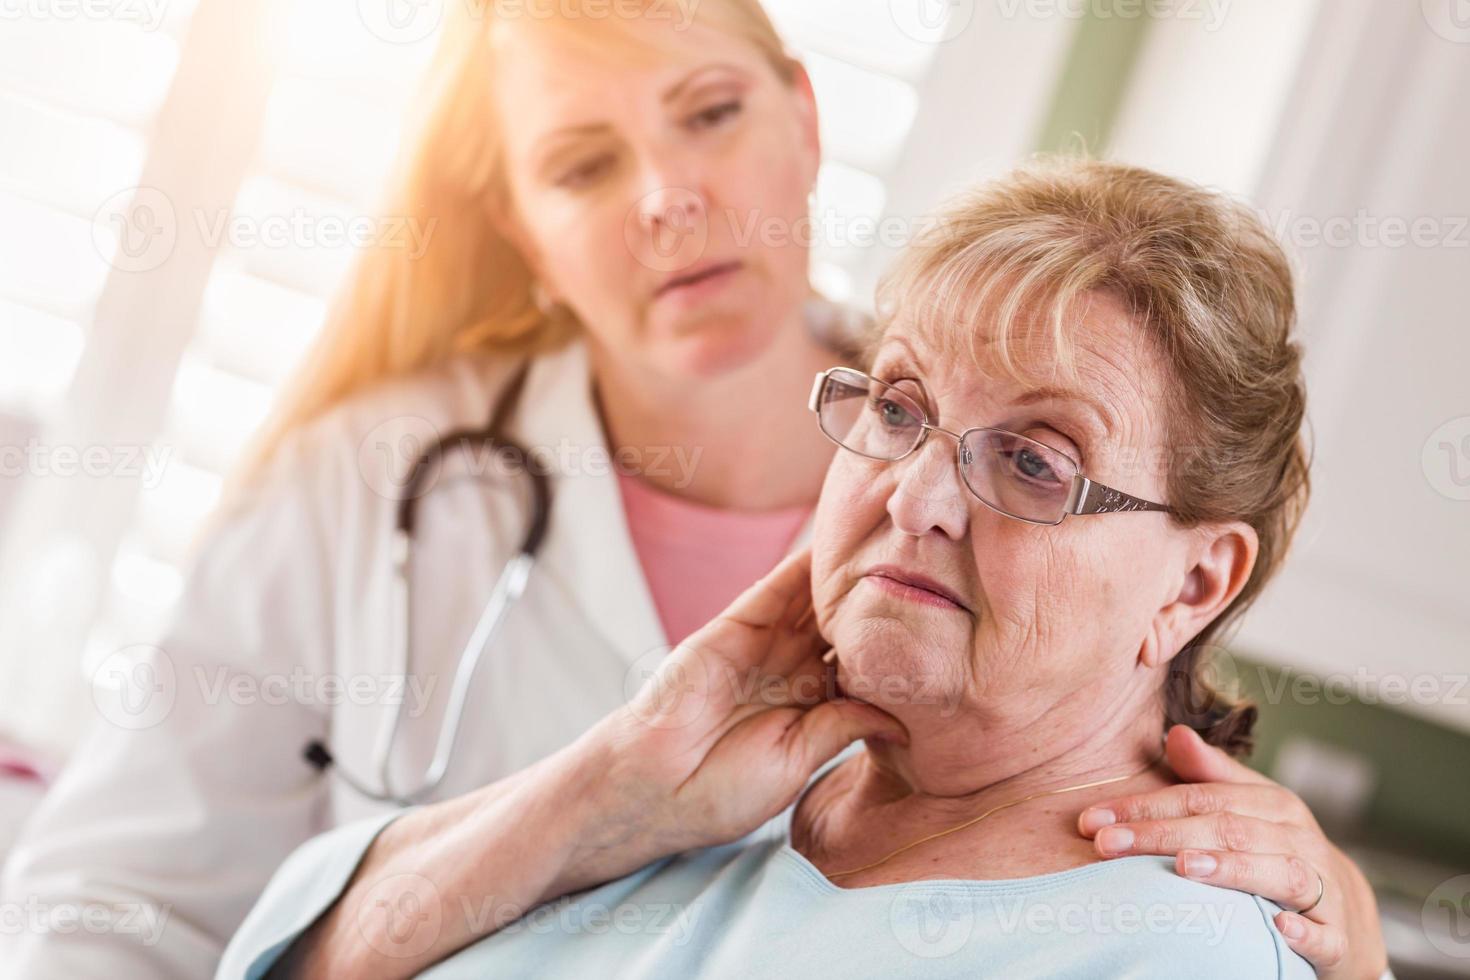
x=588, y=549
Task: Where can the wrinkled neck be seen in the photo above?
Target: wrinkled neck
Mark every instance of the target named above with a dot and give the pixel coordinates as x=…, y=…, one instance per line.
x=967, y=776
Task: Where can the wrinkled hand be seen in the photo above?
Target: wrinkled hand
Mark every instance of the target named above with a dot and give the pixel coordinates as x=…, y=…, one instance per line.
x=733, y=724
x=1230, y=826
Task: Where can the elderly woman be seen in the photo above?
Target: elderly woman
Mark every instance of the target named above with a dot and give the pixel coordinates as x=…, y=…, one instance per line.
x=1073, y=460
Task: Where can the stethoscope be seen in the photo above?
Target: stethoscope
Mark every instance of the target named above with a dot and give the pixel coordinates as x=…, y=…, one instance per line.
x=508, y=588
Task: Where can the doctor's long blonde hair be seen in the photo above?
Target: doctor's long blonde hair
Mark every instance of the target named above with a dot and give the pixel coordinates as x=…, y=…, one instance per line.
x=469, y=289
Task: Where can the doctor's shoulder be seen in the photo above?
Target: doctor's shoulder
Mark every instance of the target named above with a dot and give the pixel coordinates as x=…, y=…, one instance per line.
x=363, y=448
x=323, y=494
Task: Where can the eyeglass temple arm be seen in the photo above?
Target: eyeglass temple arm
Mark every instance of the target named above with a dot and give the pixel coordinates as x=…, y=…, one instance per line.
x=814, y=400
x=1088, y=497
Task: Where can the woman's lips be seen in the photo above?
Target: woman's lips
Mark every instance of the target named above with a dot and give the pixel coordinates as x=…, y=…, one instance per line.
x=918, y=588
x=698, y=282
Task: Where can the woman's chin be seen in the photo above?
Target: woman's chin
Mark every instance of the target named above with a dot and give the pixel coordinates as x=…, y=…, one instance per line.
x=716, y=346
x=903, y=631
x=890, y=670
x=719, y=334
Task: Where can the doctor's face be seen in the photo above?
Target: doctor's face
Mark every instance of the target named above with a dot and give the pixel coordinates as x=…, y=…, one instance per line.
x=659, y=188
x=924, y=590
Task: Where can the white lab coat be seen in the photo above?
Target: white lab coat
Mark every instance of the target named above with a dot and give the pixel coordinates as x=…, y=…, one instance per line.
x=174, y=819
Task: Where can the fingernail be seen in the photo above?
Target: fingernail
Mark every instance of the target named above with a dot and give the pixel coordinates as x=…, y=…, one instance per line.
x=1200, y=865
x=1292, y=928
x=1115, y=839
x=1096, y=818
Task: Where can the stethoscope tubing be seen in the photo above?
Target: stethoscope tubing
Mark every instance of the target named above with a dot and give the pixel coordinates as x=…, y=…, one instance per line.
x=509, y=587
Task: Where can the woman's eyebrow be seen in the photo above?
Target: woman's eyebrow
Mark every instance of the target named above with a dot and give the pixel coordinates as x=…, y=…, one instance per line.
x=577, y=130
x=684, y=83
x=893, y=347
x=1103, y=417
x=552, y=140
x=545, y=148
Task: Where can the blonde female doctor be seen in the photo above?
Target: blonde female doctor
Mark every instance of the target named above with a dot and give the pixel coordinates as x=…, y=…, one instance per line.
x=588, y=179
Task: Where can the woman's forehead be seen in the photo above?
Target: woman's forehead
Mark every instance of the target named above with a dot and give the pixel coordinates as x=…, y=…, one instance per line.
x=554, y=85
x=575, y=54
x=1110, y=372
x=1025, y=358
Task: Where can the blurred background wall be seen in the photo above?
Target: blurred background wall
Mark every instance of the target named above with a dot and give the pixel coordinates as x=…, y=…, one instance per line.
x=182, y=183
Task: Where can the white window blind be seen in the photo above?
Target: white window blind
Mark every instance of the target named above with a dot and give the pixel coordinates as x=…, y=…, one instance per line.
x=76, y=97
x=328, y=136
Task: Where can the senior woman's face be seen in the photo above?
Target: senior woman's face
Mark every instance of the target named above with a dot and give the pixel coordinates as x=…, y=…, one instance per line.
x=935, y=602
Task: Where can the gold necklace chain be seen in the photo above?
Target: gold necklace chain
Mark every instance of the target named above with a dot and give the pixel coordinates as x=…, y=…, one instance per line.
x=1004, y=806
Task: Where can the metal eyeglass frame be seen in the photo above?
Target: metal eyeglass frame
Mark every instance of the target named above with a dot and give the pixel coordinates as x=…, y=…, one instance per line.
x=1085, y=496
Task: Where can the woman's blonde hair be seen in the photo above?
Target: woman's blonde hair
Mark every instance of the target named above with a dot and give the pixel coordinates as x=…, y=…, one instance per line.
x=1204, y=277
x=470, y=289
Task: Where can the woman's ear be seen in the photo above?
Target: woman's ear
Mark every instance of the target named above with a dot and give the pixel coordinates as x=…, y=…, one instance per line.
x=807, y=116
x=1223, y=556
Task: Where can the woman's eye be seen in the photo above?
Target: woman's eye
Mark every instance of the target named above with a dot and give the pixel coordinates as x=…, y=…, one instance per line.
x=1033, y=465
x=715, y=114
x=893, y=413
x=585, y=172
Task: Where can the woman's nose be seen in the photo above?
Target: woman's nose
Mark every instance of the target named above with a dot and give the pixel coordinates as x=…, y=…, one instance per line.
x=669, y=225
x=671, y=189
x=928, y=495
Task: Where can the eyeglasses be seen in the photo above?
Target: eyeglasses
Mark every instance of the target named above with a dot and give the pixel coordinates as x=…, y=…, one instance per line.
x=1011, y=474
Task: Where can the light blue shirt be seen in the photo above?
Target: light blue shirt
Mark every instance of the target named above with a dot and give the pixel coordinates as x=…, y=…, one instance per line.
x=758, y=908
